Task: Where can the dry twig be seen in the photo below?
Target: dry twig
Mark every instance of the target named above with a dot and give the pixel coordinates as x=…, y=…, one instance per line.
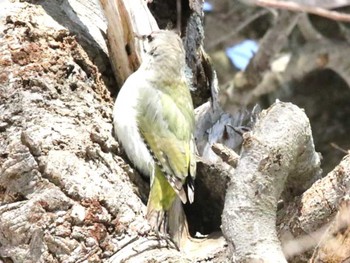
x=334, y=15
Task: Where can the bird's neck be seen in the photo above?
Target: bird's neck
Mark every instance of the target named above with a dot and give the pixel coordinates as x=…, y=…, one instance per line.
x=166, y=67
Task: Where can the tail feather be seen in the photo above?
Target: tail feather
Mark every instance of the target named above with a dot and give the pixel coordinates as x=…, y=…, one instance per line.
x=160, y=200
x=172, y=222
x=164, y=209
x=190, y=189
x=178, y=228
x=182, y=195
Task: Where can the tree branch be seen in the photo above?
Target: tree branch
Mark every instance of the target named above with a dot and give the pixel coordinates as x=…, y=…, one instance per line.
x=270, y=154
x=310, y=214
x=292, y=6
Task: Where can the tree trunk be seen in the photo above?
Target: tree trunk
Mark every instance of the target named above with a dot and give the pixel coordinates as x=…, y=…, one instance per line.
x=67, y=191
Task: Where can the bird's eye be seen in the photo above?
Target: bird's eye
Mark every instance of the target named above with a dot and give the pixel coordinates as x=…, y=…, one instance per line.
x=150, y=38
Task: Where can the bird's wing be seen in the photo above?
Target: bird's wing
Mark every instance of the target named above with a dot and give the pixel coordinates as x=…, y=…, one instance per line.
x=166, y=124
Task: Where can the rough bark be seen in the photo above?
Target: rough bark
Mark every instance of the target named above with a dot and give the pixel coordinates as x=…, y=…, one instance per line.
x=67, y=193
x=302, y=223
x=59, y=161
x=61, y=200
x=279, y=150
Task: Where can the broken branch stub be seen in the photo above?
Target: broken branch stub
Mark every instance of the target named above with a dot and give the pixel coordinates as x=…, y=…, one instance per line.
x=270, y=154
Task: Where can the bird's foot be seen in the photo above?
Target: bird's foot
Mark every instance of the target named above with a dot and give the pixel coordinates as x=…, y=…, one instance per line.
x=159, y=222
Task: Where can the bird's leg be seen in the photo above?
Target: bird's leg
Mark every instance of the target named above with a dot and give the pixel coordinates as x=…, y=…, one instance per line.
x=158, y=221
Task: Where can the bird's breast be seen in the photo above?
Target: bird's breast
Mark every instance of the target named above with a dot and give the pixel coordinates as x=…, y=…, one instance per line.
x=127, y=131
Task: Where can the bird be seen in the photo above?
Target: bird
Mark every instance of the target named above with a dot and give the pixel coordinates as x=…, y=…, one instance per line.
x=153, y=119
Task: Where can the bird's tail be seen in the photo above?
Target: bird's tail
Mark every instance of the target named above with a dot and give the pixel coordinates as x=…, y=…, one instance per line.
x=164, y=210
x=172, y=222
x=178, y=227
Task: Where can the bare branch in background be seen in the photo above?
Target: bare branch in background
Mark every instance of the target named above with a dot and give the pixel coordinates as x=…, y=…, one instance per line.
x=237, y=29
x=292, y=6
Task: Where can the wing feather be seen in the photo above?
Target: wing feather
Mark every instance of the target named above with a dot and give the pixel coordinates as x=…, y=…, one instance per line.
x=167, y=130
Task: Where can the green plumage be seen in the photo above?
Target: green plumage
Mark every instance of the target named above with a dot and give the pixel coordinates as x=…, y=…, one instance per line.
x=166, y=123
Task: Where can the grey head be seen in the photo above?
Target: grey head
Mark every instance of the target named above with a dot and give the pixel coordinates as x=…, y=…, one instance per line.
x=164, y=50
